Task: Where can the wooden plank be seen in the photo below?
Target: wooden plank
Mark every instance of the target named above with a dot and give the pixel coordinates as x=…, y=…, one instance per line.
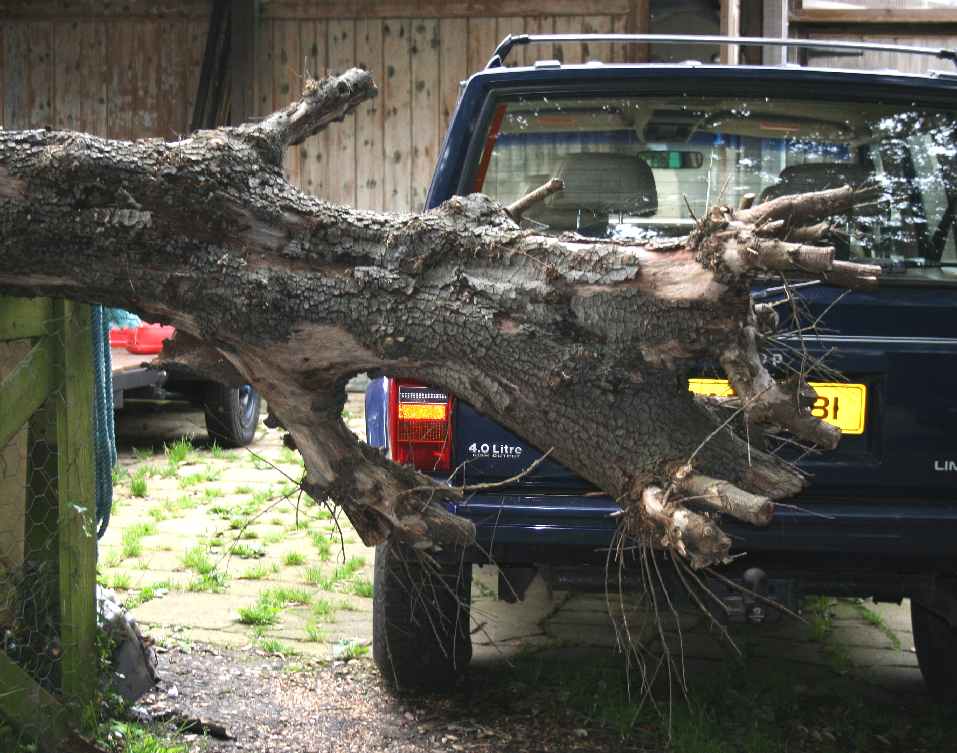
x=79, y=76
x=638, y=21
x=77, y=520
x=730, y=27
x=453, y=65
x=172, y=117
x=287, y=67
x=314, y=9
x=13, y=487
x=870, y=16
x=121, y=55
x=426, y=111
x=568, y=53
x=242, y=61
x=24, y=317
x=315, y=174
x=514, y=25
x=197, y=31
x=25, y=388
x=370, y=120
x=397, y=101
x=597, y=50
x=264, y=70
x=531, y=53
x=482, y=42
x=105, y=9
x=28, y=71
x=146, y=71
x=29, y=707
x=341, y=142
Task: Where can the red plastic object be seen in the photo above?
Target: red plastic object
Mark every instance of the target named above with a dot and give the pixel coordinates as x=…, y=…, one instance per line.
x=145, y=340
x=120, y=337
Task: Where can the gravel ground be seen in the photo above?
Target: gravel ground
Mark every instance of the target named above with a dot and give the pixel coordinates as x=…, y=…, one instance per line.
x=276, y=705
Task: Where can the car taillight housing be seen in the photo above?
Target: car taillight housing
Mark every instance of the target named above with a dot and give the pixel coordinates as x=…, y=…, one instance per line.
x=420, y=426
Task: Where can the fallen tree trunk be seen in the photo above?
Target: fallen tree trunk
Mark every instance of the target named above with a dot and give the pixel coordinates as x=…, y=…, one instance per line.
x=578, y=345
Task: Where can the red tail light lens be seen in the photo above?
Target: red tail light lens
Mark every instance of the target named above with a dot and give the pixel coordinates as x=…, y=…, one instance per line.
x=420, y=426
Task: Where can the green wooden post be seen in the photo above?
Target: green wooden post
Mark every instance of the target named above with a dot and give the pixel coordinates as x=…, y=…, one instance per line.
x=30, y=707
x=77, y=519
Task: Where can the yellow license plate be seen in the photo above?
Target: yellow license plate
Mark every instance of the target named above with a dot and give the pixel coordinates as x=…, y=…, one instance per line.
x=841, y=404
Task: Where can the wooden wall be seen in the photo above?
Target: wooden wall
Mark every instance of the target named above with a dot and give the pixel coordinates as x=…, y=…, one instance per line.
x=124, y=77
x=130, y=70
x=385, y=155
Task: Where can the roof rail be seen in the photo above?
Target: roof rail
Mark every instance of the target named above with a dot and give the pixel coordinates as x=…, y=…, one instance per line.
x=506, y=45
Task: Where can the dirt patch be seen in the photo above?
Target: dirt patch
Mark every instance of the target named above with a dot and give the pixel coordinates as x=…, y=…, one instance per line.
x=270, y=704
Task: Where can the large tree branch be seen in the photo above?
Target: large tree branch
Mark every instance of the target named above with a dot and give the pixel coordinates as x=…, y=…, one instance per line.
x=576, y=344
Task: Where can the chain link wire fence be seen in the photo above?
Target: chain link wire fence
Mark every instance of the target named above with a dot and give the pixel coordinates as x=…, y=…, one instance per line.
x=47, y=522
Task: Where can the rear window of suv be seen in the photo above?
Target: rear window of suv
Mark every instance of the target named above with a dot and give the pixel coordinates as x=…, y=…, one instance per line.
x=646, y=167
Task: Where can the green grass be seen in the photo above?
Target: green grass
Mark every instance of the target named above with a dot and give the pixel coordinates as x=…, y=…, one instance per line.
x=323, y=545
x=178, y=452
x=315, y=634
x=132, y=539
x=139, y=487
x=273, y=538
x=259, y=614
x=220, y=453
x=180, y=504
x=119, y=474
x=873, y=619
x=294, y=559
x=246, y=552
x=256, y=572
x=125, y=737
x=350, y=568
x=243, y=490
x=215, y=582
x=283, y=596
x=249, y=533
x=290, y=457
x=144, y=454
x=353, y=650
x=198, y=560
x=273, y=646
x=362, y=587
x=324, y=610
x=146, y=594
x=211, y=492
x=200, y=477
x=315, y=576
x=158, y=514
x=116, y=581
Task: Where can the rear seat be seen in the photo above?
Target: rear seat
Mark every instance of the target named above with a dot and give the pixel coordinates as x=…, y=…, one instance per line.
x=597, y=185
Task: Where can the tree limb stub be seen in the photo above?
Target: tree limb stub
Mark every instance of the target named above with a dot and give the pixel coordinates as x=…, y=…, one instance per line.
x=578, y=344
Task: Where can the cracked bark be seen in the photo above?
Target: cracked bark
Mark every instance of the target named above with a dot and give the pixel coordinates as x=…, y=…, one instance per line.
x=575, y=344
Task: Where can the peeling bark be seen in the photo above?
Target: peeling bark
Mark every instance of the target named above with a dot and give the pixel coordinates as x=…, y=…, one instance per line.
x=575, y=344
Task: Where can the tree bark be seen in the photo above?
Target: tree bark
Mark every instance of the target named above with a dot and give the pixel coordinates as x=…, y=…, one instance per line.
x=579, y=345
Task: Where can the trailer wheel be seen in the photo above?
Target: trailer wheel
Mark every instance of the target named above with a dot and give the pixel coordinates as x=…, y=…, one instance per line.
x=232, y=414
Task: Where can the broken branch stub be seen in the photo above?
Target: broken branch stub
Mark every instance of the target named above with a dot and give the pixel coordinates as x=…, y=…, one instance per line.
x=573, y=343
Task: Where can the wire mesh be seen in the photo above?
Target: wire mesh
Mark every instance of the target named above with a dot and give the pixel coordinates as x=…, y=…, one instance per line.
x=45, y=544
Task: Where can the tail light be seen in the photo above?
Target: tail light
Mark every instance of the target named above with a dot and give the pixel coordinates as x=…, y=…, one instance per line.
x=420, y=426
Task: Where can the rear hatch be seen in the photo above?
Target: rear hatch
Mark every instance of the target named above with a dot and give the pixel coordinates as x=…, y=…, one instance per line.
x=887, y=357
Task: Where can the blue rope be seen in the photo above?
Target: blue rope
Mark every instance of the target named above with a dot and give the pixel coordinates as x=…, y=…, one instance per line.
x=104, y=436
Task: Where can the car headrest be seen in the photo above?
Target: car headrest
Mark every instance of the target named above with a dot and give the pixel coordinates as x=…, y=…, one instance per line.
x=815, y=177
x=605, y=183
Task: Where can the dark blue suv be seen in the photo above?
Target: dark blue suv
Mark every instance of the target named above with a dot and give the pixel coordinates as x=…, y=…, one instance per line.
x=880, y=517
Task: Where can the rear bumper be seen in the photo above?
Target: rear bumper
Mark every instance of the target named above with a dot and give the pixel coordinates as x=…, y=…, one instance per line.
x=569, y=529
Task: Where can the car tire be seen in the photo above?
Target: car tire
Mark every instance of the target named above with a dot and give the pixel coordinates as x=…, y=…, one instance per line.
x=232, y=414
x=935, y=641
x=420, y=620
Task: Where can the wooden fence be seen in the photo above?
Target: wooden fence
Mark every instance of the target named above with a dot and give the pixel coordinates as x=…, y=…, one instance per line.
x=48, y=655
x=130, y=70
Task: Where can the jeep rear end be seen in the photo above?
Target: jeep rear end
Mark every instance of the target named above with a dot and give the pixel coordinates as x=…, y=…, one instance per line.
x=643, y=151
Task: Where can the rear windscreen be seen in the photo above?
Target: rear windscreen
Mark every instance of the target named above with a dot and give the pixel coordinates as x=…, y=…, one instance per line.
x=646, y=167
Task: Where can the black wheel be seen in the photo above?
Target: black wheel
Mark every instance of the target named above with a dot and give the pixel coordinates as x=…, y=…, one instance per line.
x=420, y=620
x=935, y=641
x=232, y=414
